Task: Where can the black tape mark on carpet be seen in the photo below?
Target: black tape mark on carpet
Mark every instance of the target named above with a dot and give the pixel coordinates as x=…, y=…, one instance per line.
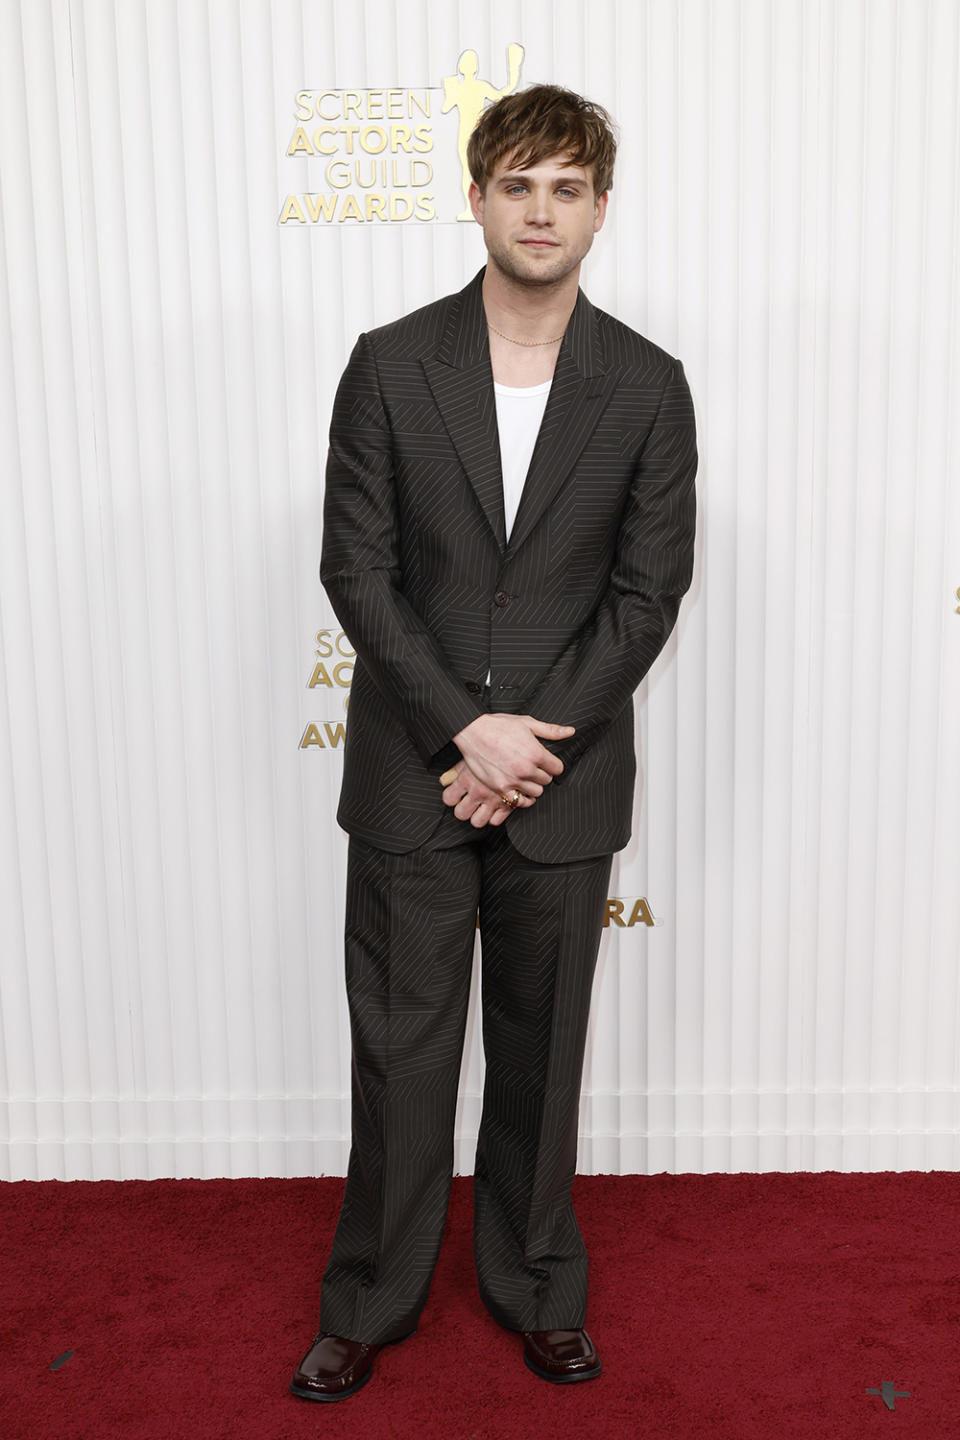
x=61, y=1359
x=890, y=1395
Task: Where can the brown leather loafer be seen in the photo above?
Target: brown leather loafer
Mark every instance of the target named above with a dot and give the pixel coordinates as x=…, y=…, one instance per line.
x=334, y=1368
x=560, y=1355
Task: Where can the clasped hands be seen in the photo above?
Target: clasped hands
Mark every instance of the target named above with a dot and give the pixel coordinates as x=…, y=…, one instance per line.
x=502, y=757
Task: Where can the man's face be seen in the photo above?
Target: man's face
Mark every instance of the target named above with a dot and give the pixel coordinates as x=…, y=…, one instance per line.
x=539, y=222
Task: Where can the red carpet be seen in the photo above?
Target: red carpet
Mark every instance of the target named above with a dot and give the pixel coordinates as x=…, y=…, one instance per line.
x=732, y=1306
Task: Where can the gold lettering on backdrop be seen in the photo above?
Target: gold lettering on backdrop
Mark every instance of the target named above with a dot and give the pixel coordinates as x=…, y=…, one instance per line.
x=335, y=732
x=325, y=205
x=393, y=126
x=291, y=211
x=958, y=597
x=332, y=670
x=340, y=674
x=326, y=646
x=640, y=913
x=299, y=143
x=373, y=139
x=314, y=208
x=397, y=104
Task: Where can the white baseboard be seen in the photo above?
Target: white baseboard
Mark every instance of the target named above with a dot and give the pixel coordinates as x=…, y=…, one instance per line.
x=620, y=1134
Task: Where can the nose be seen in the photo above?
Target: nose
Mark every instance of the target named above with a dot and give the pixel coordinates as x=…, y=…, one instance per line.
x=540, y=208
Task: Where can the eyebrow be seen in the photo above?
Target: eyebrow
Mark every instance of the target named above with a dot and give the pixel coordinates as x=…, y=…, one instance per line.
x=561, y=178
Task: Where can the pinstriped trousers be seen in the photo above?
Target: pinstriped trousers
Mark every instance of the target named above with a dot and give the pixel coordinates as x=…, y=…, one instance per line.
x=410, y=929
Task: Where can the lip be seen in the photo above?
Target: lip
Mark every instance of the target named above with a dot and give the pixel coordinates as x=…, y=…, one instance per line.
x=540, y=244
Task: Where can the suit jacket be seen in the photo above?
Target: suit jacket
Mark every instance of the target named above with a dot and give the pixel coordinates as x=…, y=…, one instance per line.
x=566, y=617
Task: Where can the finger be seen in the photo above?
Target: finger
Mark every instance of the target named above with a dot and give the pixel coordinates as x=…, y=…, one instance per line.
x=531, y=776
x=471, y=790
x=504, y=811
x=448, y=776
x=539, y=768
x=468, y=806
x=546, y=731
x=527, y=786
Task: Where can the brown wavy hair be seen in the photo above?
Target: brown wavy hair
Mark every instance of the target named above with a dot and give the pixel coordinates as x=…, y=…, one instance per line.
x=539, y=122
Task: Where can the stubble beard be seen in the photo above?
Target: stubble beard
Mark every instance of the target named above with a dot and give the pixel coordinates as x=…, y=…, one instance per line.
x=536, y=272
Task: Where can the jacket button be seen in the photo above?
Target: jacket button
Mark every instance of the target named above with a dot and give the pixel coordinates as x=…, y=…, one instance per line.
x=473, y=688
x=501, y=598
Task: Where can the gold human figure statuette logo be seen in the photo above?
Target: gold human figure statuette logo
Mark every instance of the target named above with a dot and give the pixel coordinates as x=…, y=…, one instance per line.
x=470, y=95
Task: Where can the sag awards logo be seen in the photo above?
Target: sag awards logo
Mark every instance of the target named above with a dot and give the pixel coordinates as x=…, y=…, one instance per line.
x=390, y=155
x=332, y=671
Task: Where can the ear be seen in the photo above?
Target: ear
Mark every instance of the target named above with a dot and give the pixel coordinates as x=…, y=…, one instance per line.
x=475, y=197
x=600, y=213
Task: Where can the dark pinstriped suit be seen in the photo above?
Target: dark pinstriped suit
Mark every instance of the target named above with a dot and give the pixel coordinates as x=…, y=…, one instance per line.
x=567, y=618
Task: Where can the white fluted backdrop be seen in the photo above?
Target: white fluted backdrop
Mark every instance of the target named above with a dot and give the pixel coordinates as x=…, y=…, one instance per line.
x=786, y=218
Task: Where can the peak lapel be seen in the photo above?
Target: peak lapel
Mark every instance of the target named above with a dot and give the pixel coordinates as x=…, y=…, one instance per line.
x=578, y=396
x=461, y=380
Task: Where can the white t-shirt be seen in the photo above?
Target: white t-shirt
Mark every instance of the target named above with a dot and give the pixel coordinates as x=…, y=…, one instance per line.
x=519, y=413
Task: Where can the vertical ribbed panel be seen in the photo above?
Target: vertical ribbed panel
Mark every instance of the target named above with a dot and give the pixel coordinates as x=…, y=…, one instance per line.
x=786, y=218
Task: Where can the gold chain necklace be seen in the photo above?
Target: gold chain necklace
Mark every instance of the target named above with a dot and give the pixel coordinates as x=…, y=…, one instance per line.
x=522, y=342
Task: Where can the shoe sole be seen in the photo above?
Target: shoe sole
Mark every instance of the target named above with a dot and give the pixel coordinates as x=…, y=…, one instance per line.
x=304, y=1394
x=563, y=1379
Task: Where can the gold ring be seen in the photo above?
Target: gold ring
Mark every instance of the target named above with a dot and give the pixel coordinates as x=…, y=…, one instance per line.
x=511, y=801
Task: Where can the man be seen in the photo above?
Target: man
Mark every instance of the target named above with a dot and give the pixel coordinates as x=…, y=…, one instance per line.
x=508, y=530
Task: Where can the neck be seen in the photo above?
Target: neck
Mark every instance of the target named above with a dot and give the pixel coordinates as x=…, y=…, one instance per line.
x=528, y=312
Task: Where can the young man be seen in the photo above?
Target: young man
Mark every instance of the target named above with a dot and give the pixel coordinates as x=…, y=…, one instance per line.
x=508, y=531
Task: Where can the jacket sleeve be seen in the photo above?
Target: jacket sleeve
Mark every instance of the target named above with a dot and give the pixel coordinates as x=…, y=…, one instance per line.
x=599, y=670
x=360, y=571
